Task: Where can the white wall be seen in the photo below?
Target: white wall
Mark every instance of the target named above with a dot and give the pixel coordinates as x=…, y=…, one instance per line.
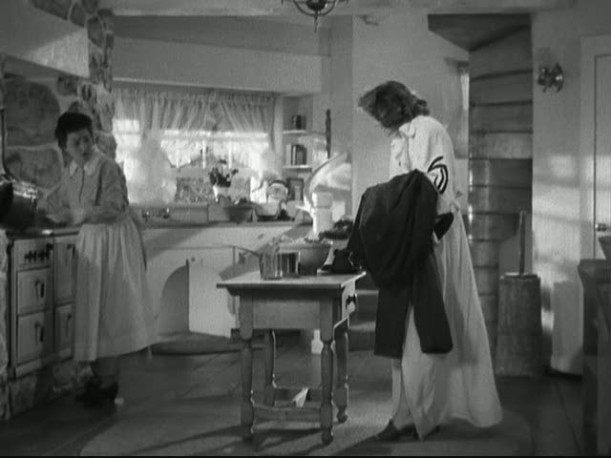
x=341, y=82
x=399, y=48
x=254, y=32
x=212, y=66
x=557, y=192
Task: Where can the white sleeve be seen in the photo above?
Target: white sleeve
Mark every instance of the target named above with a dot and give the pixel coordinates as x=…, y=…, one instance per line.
x=432, y=153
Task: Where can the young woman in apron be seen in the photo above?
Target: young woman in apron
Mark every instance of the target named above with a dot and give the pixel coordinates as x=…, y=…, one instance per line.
x=112, y=311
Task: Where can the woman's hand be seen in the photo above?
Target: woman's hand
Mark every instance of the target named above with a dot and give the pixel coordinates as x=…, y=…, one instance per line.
x=61, y=217
x=77, y=217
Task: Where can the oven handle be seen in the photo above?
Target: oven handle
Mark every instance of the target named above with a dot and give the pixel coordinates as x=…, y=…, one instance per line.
x=40, y=330
x=68, y=321
x=40, y=289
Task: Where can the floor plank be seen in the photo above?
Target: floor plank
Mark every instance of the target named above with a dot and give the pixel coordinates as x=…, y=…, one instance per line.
x=180, y=390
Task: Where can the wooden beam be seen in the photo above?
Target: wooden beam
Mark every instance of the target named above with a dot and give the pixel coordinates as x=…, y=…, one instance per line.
x=489, y=6
x=351, y=7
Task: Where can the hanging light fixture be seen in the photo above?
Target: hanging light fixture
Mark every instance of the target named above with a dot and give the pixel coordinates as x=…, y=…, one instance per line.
x=316, y=8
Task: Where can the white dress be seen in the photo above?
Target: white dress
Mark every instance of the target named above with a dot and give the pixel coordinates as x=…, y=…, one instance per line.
x=460, y=384
x=113, y=312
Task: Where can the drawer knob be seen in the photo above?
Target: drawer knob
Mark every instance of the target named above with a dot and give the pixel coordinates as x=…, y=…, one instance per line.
x=351, y=303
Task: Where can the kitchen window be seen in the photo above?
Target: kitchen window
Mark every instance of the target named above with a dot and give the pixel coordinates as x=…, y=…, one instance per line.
x=169, y=139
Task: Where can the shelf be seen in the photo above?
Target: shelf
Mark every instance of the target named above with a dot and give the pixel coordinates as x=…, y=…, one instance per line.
x=297, y=167
x=302, y=132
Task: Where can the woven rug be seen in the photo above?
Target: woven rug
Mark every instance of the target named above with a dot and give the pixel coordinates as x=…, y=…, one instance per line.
x=194, y=343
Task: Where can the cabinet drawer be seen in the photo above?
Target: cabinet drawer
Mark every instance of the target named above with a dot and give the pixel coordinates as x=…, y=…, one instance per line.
x=34, y=336
x=63, y=327
x=34, y=290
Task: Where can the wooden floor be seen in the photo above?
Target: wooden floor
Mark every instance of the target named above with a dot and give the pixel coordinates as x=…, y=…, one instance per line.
x=167, y=398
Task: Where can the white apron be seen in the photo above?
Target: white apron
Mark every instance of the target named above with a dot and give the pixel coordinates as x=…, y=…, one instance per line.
x=112, y=309
x=460, y=384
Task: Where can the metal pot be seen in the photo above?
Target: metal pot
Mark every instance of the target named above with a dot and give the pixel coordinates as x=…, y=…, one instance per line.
x=274, y=266
x=17, y=198
x=17, y=203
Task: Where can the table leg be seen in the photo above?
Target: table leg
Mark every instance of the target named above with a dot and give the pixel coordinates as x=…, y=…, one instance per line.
x=247, y=413
x=269, y=350
x=341, y=390
x=326, y=407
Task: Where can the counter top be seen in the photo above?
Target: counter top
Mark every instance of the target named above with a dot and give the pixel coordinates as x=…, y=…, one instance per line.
x=44, y=231
x=32, y=232
x=171, y=224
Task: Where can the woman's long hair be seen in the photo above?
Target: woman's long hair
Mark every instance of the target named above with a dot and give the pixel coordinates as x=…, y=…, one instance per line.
x=392, y=104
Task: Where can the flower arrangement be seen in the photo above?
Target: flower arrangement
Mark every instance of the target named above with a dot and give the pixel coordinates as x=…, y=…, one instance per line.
x=220, y=175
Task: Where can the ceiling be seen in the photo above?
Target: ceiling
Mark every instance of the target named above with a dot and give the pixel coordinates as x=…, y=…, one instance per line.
x=467, y=23
x=473, y=31
x=285, y=8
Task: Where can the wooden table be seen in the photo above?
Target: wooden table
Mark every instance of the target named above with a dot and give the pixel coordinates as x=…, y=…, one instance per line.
x=322, y=302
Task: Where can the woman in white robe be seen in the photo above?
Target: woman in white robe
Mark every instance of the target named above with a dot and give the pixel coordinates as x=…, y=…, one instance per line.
x=431, y=389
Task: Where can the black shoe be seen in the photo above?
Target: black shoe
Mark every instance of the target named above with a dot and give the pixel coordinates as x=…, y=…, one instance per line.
x=392, y=434
x=435, y=430
x=95, y=395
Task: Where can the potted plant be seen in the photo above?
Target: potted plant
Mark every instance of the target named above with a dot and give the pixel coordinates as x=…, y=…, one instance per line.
x=220, y=178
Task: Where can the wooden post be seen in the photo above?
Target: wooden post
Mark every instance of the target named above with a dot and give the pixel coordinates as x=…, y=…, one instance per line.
x=522, y=226
x=341, y=392
x=326, y=406
x=269, y=350
x=247, y=411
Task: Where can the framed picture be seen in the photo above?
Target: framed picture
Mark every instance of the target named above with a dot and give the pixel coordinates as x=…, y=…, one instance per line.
x=295, y=188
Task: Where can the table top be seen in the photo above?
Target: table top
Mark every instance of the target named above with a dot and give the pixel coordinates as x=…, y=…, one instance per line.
x=253, y=280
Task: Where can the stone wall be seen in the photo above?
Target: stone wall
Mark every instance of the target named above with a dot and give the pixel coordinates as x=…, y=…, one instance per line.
x=4, y=392
x=32, y=108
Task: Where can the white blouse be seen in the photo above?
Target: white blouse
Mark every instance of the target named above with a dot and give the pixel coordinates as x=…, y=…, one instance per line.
x=424, y=144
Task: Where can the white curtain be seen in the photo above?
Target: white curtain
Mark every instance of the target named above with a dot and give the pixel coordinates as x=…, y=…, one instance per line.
x=159, y=132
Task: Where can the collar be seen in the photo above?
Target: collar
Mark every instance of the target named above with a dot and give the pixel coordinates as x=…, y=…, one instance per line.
x=408, y=129
x=89, y=167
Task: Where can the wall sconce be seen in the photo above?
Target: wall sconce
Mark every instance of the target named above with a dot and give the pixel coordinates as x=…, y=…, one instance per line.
x=551, y=77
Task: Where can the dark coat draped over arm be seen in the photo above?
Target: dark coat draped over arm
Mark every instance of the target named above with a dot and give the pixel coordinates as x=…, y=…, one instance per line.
x=392, y=239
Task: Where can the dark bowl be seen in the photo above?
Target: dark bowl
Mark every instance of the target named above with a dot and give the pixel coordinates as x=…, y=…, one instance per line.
x=605, y=244
x=239, y=213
